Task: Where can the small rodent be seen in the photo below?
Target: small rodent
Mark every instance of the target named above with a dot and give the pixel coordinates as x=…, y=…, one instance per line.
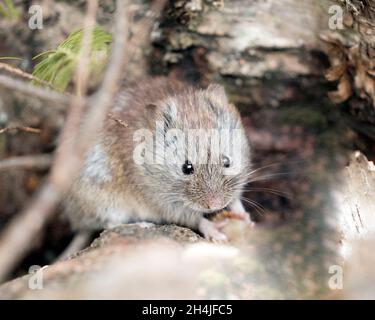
x=113, y=188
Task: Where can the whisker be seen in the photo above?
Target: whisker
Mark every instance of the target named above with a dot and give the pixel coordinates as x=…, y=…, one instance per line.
x=264, y=167
x=270, y=190
x=269, y=176
x=255, y=205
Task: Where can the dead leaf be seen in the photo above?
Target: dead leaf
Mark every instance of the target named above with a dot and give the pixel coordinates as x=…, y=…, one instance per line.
x=343, y=92
x=336, y=72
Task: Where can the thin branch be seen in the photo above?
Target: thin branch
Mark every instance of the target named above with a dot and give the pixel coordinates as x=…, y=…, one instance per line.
x=25, y=226
x=16, y=239
x=80, y=241
x=33, y=91
x=39, y=162
x=112, y=78
x=20, y=128
x=110, y=86
x=67, y=159
x=119, y=121
x=39, y=92
x=64, y=99
x=23, y=74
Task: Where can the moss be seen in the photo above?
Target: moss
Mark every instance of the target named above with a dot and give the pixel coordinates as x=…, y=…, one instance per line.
x=305, y=116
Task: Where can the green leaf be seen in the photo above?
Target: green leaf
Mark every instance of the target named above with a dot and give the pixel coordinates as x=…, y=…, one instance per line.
x=57, y=67
x=8, y=10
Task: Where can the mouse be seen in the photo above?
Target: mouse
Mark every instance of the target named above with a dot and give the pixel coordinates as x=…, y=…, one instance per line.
x=168, y=152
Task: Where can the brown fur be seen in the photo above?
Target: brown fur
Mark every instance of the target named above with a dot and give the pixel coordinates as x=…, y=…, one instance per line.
x=113, y=189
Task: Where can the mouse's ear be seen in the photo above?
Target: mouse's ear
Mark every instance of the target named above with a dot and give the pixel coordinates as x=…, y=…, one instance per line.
x=169, y=114
x=217, y=92
x=150, y=109
x=150, y=112
x=165, y=112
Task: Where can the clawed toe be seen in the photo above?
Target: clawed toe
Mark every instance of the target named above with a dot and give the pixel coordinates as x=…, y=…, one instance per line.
x=211, y=230
x=245, y=216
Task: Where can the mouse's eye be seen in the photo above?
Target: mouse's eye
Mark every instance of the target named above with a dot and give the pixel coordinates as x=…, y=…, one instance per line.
x=187, y=167
x=225, y=161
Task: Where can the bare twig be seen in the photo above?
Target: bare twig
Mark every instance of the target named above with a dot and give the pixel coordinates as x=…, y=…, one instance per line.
x=23, y=74
x=80, y=241
x=67, y=158
x=40, y=162
x=106, y=91
x=16, y=238
x=33, y=91
x=20, y=128
x=112, y=77
x=119, y=121
x=23, y=228
x=64, y=99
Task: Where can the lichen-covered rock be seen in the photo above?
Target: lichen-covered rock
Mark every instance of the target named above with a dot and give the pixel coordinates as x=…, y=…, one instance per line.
x=357, y=220
x=132, y=261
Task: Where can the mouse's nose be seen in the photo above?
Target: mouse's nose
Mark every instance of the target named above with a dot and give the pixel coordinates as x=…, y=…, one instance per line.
x=214, y=202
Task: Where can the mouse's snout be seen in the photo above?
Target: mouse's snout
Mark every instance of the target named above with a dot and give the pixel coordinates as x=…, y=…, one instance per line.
x=214, y=202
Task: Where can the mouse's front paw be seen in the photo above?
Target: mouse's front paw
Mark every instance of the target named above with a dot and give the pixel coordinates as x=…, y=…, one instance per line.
x=212, y=230
x=244, y=216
